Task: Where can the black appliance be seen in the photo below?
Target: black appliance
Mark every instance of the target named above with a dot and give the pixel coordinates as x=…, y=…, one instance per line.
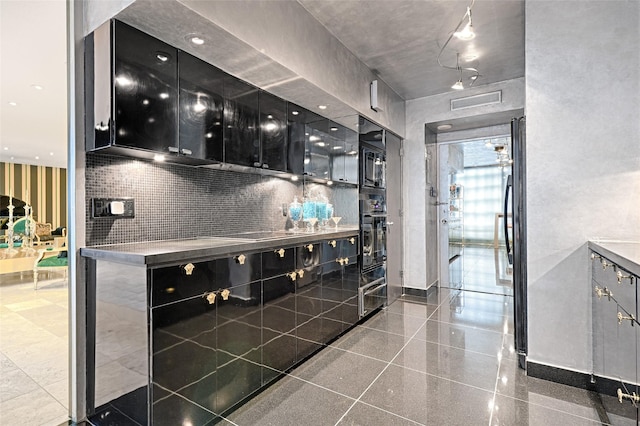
x=517, y=247
x=372, y=293
x=373, y=168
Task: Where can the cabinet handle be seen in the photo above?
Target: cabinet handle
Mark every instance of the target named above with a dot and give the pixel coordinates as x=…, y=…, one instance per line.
x=210, y=296
x=186, y=151
x=339, y=260
x=240, y=259
x=605, y=264
x=622, y=317
x=595, y=256
x=279, y=252
x=173, y=149
x=346, y=261
x=292, y=275
x=188, y=268
x=603, y=292
x=621, y=277
x=352, y=240
x=309, y=247
x=332, y=243
x=633, y=397
x=265, y=166
x=225, y=294
x=301, y=273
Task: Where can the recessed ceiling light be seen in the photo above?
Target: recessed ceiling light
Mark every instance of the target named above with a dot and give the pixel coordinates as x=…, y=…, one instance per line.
x=209, y=135
x=444, y=127
x=164, y=95
x=294, y=178
x=37, y=157
x=334, y=129
x=329, y=182
x=158, y=157
x=320, y=144
x=337, y=147
x=13, y=103
x=269, y=116
x=6, y=148
x=37, y=86
x=322, y=106
x=162, y=57
x=295, y=112
x=51, y=153
x=196, y=40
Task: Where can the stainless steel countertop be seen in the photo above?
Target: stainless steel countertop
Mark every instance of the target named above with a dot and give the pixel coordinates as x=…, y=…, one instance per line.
x=624, y=254
x=171, y=251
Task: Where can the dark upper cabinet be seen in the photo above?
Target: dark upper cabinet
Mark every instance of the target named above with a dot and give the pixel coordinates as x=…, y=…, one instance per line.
x=241, y=121
x=201, y=108
x=132, y=90
x=343, y=144
x=273, y=132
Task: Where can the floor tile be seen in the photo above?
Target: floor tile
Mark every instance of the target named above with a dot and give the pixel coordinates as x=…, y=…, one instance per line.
x=372, y=343
x=15, y=382
x=391, y=322
x=367, y=415
x=292, y=402
x=414, y=309
x=428, y=399
x=469, y=338
x=33, y=408
x=510, y=411
x=462, y=366
x=343, y=372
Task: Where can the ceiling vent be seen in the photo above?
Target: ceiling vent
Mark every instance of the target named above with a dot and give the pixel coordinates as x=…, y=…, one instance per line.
x=476, y=100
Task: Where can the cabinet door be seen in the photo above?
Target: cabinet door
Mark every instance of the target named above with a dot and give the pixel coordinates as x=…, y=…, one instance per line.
x=241, y=121
x=336, y=146
x=351, y=164
x=239, y=269
x=174, y=283
x=146, y=91
x=201, y=108
x=309, y=300
x=350, y=285
x=278, y=326
x=296, y=128
x=317, y=162
x=273, y=132
x=278, y=261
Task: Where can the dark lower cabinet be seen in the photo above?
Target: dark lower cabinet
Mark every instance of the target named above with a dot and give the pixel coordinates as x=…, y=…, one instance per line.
x=220, y=330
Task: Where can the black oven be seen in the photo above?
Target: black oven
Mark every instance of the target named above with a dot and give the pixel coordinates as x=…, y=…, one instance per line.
x=372, y=293
x=373, y=168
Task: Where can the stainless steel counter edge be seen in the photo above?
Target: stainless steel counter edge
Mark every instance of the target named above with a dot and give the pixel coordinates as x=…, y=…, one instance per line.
x=624, y=254
x=153, y=253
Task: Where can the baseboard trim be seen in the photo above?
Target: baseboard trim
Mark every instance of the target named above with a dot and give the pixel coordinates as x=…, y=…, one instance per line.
x=559, y=375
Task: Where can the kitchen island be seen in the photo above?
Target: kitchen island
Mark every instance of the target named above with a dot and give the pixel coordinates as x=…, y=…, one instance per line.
x=190, y=329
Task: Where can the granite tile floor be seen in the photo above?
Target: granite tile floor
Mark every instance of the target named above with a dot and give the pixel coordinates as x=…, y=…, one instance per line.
x=447, y=359
x=444, y=359
x=33, y=350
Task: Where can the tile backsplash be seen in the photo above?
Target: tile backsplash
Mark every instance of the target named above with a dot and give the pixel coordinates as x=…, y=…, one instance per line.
x=175, y=201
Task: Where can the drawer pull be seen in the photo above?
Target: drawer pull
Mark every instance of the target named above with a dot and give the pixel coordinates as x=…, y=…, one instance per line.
x=280, y=252
x=352, y=240
x=188, y=268
x=225, y=294
x=301, y=273
x=292, y=275
x=621, y=277
x=332, y=243
x=309, y=247
x=240, y=259
x=622, y=317
x=603, y=292
x=633, y=397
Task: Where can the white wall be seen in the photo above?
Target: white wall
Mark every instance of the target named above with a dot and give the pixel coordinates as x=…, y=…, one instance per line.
x=583, y=161
x=419, y=112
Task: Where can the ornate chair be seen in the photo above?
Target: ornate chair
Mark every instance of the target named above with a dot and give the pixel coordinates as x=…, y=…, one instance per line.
x=50, y=259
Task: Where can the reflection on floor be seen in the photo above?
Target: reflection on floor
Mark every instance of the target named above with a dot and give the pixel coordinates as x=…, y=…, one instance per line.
x=483, y=269
x=33, y=350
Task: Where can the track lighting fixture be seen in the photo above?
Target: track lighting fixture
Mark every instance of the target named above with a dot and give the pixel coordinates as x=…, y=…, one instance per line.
x=465, y=34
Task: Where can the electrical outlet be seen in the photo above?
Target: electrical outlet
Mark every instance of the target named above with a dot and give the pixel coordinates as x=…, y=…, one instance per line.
x=112, y=207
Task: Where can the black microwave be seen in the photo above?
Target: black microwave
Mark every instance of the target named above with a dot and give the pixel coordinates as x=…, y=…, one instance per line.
x=373, y=171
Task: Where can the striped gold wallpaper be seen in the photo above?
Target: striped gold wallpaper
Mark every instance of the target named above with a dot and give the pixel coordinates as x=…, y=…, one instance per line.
x=45, y=188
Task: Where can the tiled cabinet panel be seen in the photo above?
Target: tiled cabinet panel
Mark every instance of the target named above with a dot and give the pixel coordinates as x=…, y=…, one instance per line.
x=615, y=331
x=221, y=329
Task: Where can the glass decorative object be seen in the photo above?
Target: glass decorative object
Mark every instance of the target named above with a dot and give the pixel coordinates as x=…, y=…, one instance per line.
x=295, y=213
x=336, y=220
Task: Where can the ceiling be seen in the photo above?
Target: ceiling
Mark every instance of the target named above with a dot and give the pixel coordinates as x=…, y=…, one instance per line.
x=399, y=39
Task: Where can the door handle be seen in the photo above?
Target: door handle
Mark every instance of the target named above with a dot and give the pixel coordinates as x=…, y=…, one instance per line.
x=389, y=223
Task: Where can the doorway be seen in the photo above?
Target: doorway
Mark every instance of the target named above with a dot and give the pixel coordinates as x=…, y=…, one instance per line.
x=472, y=179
